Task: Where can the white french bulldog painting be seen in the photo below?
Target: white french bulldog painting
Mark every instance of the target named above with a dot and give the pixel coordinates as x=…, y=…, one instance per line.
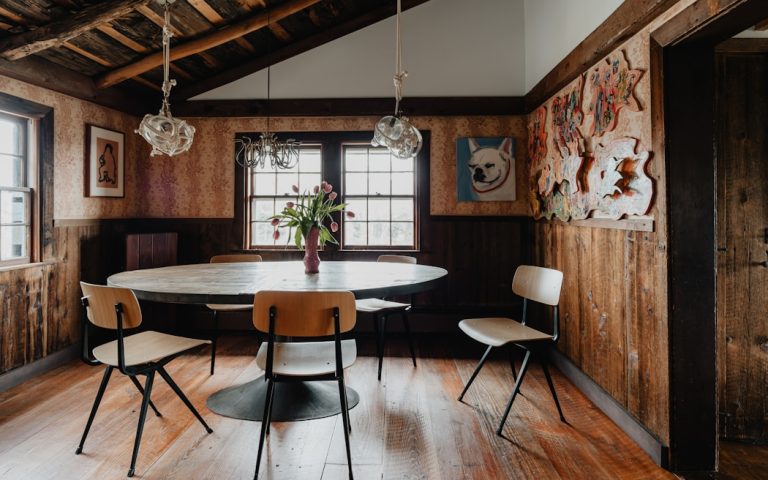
x=485, y=169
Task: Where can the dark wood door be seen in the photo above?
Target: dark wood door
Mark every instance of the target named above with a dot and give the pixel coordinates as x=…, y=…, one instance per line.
x=742, y=277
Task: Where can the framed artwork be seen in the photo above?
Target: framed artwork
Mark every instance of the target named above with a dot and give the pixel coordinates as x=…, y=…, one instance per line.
x=485, y=169
x=104, y=162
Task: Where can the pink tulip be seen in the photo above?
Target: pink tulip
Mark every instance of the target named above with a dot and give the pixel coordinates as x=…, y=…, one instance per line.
x=350, y=214
x=334, y=227
x=289, y=204
x=316, y=189
x=323, y=184
x=327, y=187
x=332, y=196
x=295, y=188
x=276, y=234
x=275, y=222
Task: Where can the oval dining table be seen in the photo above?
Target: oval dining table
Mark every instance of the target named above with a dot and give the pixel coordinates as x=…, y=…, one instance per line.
x=237, y=283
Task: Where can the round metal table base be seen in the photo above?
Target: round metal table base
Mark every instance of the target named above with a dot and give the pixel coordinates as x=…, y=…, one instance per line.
x=293, y=401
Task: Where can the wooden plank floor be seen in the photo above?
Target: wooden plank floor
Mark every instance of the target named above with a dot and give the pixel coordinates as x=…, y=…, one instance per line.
x=409, y=426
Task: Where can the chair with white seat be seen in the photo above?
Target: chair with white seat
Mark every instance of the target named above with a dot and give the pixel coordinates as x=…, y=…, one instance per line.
x=381, y=308
x=144, y=353
x=227, y=258
x=304, y=314
x=541, y=285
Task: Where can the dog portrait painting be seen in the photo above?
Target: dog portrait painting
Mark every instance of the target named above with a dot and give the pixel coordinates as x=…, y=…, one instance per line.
x=485, y=169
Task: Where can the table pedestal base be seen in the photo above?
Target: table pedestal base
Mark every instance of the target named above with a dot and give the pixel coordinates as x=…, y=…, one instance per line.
x=293, y=401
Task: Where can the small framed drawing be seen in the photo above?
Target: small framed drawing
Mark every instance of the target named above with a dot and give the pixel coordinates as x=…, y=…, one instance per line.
x=485, y=169
x=104, y=163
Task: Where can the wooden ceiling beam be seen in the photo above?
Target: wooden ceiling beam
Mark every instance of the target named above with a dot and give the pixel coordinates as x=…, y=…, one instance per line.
x=58, y=32
x=300, y=46
x=761, y=26
x=110, y=31
x=192, y=47
x=210, y=14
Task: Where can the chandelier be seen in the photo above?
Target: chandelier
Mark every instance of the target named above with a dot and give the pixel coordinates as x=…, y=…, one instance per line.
x=395, y=131
x=267, y=149
x=167, y=135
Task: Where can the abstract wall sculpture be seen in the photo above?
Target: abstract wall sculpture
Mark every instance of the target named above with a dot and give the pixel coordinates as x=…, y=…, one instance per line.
x=612, y=84
x=610, y=183
x=537, y=152
x=567, y=117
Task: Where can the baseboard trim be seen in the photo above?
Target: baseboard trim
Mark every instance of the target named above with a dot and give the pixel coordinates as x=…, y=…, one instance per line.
x=615, y=411
x=26, y=372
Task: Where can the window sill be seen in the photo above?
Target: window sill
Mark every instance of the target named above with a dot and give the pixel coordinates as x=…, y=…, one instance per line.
x=24, y=266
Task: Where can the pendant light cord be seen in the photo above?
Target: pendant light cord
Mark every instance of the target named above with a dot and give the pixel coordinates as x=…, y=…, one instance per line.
x=269, y=70
x=167, y=84
x=400, y=74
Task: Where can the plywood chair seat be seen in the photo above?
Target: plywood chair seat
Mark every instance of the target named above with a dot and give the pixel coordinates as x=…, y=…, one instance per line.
x=498, y=331
x=307, y=358
x=145, y=347
x=378, y=305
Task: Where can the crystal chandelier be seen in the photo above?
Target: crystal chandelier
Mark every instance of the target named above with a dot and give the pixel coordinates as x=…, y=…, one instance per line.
x=395, y=131
x=268, y=149
x=167, y=135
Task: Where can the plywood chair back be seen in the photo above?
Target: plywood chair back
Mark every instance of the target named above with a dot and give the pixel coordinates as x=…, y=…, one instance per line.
x=396, y=259
x=101, y=305
x=235, y=258
x=304, y=314
x=538, y=284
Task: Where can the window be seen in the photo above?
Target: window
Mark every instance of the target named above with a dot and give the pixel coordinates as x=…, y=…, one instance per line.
x=16, y=190
x=380, y=189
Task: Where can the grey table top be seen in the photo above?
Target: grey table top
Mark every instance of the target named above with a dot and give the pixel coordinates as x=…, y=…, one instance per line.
x=236, y=283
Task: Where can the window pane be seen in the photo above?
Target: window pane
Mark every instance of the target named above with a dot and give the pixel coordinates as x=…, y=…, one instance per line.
x=310, y=159
x=356, y=159
x=402, y=164
x=261, y=210
x=14, y=207
x=13, y=242
x=402, y=233
x=378, y=233
x=308, y=181
x=378, y=209
x=354, y=233
x=356, y=184
x=379, y=160
x=261, y=233
x=11, y=136
x=264, y=184
x=284, y=183
x=360, y=208
x=402, y=184
x=402, y=209
x=379, y=183
x=11, y=171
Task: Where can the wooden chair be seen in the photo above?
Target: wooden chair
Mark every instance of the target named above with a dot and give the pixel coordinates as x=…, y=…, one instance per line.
x=144, y=353
x=304, y=314
x=229, y=258
x=381, y=308
x=537, y=284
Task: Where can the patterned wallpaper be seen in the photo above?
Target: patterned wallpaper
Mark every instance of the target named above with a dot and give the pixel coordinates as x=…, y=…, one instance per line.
x=200, y=182
x=69, y=118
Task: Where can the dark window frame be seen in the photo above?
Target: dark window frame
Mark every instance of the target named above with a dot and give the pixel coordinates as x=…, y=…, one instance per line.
x=332, y=171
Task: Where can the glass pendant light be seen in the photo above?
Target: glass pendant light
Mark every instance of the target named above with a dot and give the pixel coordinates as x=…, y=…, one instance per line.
x=395, y=131
x=167, y=135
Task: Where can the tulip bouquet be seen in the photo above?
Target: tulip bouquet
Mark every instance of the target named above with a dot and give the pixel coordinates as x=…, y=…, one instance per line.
x=310, y=212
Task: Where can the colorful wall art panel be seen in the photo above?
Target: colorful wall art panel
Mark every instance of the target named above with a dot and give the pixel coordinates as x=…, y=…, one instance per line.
x=485, y=169
x=612, y=84
x=567, y=117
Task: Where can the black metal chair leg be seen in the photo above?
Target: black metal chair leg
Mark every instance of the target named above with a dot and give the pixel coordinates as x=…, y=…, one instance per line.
x=512, y=365
x=375, y=317
x=474, y=374
x=271, y=402
x=214, y=339
x=551, y=385
x=264, y=423
x=142, y=418
x=523, y=369
x=345, y=420
x=138, y=386
x=96, y=402
x=407, y=327
x=382, y=336
x=183, y=397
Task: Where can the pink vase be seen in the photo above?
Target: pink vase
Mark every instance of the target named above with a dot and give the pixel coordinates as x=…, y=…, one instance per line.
x=311, y=258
